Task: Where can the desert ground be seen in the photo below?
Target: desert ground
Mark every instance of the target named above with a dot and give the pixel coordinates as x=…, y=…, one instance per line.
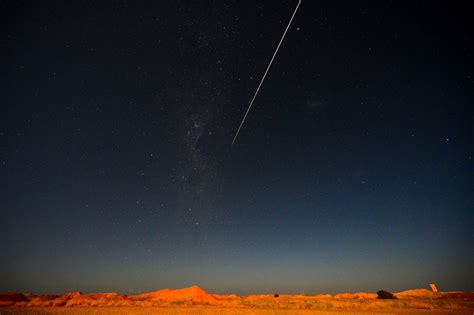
x=196, y=311
x=195, y=300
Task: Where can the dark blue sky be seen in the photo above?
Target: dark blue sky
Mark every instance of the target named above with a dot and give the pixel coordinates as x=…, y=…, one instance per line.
x=353, y=171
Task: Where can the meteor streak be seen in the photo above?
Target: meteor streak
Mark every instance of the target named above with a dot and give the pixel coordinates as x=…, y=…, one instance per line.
x=266, y=71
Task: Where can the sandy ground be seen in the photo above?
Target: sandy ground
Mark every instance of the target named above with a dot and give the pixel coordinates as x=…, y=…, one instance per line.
x=195, y=300
x=198, y=311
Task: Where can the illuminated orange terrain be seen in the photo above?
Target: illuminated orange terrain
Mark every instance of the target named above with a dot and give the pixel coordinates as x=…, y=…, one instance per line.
x=197, y=298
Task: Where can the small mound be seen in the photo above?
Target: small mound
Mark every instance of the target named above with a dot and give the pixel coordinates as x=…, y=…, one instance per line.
x=194, y=293
x=13, y=297
x=73, y=294
x=106, y=295
x=229, y=296
x=358, y=295
x=415, y=293
x=323, y=296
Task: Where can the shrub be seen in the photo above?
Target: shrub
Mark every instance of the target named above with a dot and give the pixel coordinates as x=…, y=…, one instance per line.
x=385, y=295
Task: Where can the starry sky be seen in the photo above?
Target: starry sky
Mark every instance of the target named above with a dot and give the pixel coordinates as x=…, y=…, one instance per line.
x=353, y=171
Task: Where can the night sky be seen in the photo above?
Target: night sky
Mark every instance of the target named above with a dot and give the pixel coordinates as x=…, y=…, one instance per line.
x=353, y=171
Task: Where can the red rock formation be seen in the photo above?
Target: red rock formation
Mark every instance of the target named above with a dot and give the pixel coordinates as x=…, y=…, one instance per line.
x=194, y=294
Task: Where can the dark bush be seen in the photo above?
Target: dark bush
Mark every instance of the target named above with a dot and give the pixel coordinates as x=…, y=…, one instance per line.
x=13, y=297
x=275, y=295
x=385, y=295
